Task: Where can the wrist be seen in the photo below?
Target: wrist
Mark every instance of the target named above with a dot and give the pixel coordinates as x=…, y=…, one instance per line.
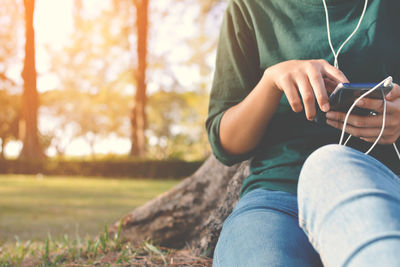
x=269, y=84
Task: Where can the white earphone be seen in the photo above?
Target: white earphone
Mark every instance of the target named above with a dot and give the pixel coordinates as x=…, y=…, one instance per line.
x=386, y=81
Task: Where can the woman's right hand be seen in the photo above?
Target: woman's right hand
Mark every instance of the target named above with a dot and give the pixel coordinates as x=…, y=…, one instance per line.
x=243, y=125
x=303, y=81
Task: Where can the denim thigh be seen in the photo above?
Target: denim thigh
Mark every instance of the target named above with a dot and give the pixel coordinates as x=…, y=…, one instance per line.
x=263, y=230
x=349, y=205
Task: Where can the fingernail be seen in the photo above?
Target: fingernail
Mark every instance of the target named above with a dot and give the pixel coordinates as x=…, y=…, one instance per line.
x=388, y=96
x=360, y=103
x=325, y=107
x=329, y=115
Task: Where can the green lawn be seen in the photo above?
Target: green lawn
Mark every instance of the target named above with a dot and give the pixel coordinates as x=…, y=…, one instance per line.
x=31, y=207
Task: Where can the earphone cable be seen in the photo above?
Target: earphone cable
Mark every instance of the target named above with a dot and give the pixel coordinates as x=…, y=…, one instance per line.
x=397, y=151
x=383, y=117
x=336, y=54
x=336, y=65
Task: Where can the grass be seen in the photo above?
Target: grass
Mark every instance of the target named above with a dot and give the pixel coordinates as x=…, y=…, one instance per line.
x=34, y=207
x=62, y=221
x=102, y=251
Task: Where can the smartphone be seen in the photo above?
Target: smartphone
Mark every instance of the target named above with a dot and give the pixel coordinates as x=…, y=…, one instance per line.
x=345, y=94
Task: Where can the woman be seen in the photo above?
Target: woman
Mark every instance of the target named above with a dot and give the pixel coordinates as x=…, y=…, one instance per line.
x=273, y=68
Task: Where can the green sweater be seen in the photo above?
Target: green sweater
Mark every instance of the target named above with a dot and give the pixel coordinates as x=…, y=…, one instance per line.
x=256, y=34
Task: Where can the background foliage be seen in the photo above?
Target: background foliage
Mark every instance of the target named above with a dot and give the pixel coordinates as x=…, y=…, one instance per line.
x=86, y=84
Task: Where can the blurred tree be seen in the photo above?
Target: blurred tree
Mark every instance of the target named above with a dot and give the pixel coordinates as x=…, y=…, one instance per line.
x=92, y=100
x=57, y=107
x=190, y=25
x=9, y=116
x=208, y=5
x=174, y=119
x=138, y=117
x=99, y=59
x=98, y=118
x=10, y=26
x=182, y=43
x=10, y=23
x=32, y=148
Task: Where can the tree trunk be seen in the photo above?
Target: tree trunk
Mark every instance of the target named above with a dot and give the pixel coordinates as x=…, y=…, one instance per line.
x=190, y=214
x=138, y=117
x=3, y=145
x=32, y=148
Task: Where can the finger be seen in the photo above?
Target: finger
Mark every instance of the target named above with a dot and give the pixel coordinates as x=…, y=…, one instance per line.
x=383, y=140
x=394, y=93
x=307, y=96
x=370, y=140
x=357, y=121
x=372, y=104
x=318, y=86
x=392, y=106
x=330, y=84
x=355, y=131
x=334, y=73
x=292, y=95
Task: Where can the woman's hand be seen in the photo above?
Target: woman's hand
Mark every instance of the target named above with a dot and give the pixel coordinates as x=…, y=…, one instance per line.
x=304, y=81
x=243, y=125
x=368, y=128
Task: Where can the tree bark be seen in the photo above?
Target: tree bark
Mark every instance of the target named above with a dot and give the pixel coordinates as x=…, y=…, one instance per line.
x=30, y=101
x=138, y=117
x=190, y=214
x=3, y=145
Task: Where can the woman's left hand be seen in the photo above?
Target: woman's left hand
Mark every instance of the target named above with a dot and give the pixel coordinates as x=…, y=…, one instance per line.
x=368, y=128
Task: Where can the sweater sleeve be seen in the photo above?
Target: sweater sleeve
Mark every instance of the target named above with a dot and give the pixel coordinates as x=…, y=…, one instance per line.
x=236, y=74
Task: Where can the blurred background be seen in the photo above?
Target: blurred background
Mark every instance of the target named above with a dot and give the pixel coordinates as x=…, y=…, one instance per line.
x=102, y=107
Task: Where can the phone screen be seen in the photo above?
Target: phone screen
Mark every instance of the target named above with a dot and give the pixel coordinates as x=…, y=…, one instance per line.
x=345, y=94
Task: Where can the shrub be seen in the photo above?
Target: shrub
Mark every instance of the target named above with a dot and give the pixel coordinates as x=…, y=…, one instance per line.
x=106, y=168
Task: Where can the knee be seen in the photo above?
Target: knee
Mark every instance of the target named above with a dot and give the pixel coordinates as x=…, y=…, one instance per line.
x=325, y=156
x=315, y=179
x=321, y=169
x=318, y=163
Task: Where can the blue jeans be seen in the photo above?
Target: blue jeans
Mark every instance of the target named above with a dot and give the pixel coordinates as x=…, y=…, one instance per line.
x=346, y=213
